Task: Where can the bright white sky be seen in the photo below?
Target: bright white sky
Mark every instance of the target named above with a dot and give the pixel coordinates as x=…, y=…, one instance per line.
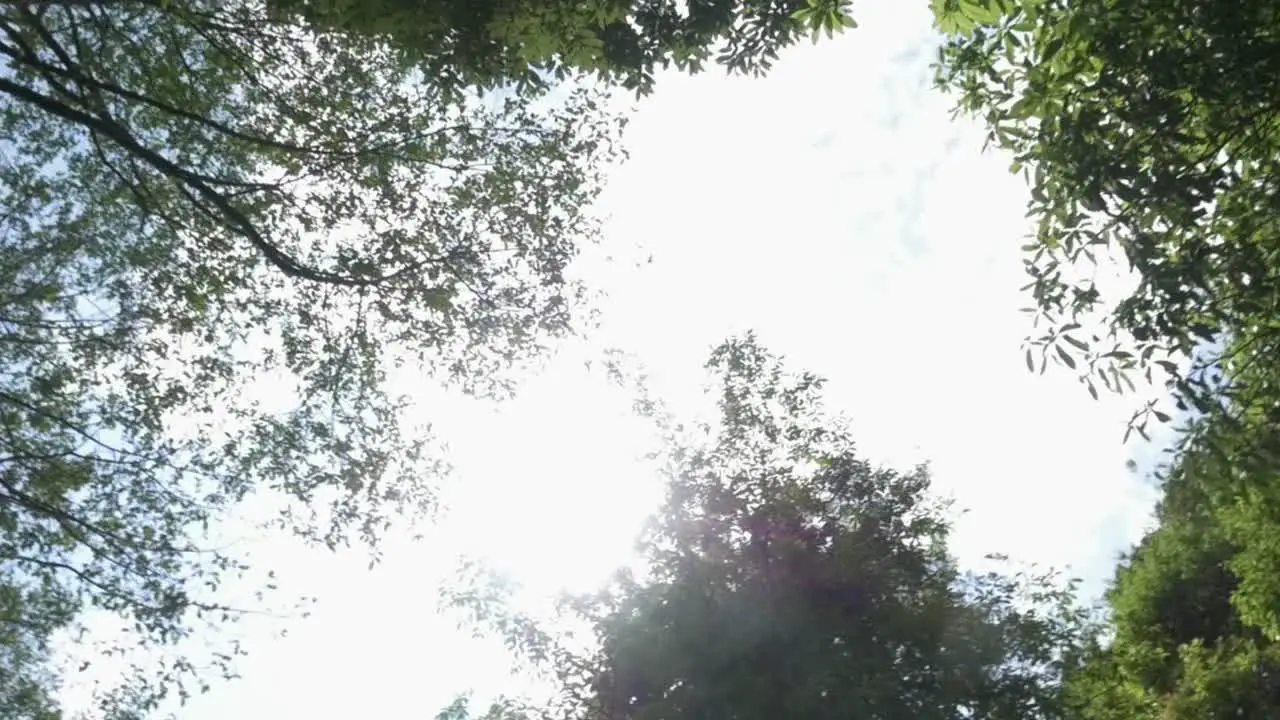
x=835, y=208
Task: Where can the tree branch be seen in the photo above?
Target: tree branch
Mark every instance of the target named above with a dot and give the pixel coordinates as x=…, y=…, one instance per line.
x=200, y=185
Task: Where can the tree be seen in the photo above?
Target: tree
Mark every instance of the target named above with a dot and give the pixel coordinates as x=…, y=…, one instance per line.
x=193, y=199
x=1144, y=129
x=195, y=195
x=624, y=41
x=1193, y=607
x=787, y=577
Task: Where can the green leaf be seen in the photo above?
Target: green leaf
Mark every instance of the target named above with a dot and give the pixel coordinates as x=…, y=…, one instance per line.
x=1077, y=343
x=1051, y=49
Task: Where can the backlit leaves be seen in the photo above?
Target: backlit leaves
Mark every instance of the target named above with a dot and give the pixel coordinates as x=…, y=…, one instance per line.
x=220, y=239
x=487, y=43
x=1139, y=124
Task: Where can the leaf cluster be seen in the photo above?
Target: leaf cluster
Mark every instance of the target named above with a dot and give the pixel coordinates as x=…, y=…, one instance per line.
x=1146, y=131
x=487, y=42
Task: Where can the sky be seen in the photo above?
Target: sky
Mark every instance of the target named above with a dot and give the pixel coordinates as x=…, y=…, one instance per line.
x=835, y=208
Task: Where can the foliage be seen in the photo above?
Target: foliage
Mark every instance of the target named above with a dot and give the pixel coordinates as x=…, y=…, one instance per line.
x=491, y=41
x=1194, y=606
x=198, y=195
x=787, y=577
x=193, y=200
x=26, y=683
x=1146, y=129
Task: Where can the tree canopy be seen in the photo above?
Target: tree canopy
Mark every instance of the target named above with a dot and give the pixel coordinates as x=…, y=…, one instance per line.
x=194, y=199
x=197, y=196
x=1146, y=129
x=785, y=576
x=1193, y=607
x=625, y=41
x=1143, y=129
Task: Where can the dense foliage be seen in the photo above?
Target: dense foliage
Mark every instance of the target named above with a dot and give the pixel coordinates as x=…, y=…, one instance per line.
x=787, y=577
x=491, y=41
x=1194, y=606
x=1148, y=129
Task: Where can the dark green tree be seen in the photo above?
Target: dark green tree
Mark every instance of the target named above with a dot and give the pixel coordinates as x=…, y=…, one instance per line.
x=787, y=577
x=1193, y=607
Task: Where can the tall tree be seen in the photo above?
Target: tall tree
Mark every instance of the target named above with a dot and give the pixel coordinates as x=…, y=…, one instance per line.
x=1194, y=606
x=787, y=577
x=193, y=198
x=1146, y=130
